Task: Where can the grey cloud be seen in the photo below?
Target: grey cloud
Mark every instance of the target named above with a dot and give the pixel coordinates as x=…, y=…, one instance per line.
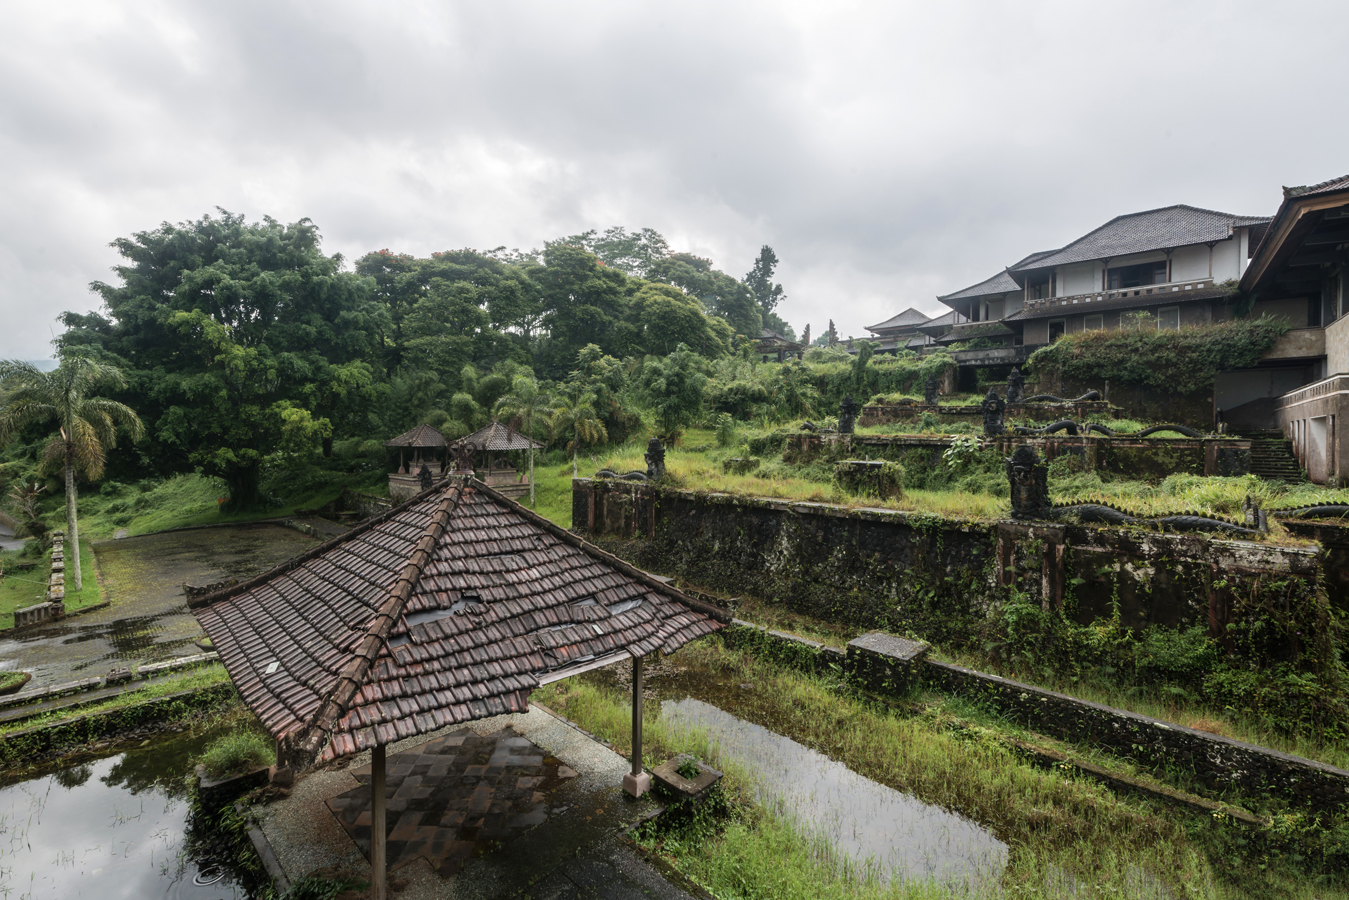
x=888, y=151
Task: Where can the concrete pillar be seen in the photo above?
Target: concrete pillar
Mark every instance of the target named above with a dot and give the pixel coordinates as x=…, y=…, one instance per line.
x=637, y=782
x=378, y=866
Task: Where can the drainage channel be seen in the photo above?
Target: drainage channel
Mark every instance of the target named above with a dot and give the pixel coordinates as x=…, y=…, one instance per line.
x=882, y=832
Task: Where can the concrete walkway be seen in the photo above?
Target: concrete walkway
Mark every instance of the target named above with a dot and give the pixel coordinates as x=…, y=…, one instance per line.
x=571, y=851
x=148, y=620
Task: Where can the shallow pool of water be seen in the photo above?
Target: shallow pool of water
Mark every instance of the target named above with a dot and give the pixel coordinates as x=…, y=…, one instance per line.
x=895, y=836
x=107, y=828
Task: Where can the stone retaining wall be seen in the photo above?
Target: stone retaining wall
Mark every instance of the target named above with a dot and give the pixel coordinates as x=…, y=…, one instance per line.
x=929, y=575
x=1220, y=763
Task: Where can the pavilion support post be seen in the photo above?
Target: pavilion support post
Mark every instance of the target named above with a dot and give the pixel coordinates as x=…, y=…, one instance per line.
x=378, y=865
x=637, y=782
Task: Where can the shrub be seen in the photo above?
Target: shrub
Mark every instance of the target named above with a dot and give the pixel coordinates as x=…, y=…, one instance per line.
x=236, y=753
x=883, y=479
x=725, y=430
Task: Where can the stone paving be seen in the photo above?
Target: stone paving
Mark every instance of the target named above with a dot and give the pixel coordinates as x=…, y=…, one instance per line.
x=455, y=797
x=148, y=620
x=574, y=853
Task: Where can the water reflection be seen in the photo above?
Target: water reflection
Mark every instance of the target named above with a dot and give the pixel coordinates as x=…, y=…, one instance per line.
x=105, y=828
x=892, y=834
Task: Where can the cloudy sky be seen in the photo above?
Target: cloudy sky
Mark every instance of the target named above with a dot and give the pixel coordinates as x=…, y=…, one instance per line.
x=888, y=151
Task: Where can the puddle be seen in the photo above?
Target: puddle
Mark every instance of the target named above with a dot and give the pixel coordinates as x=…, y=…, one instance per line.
x=108, y=828
x=146, y=575
x=901, y=838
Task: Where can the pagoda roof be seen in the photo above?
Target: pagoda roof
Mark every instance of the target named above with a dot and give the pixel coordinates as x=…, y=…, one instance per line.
x=422, y=436
x=451, y=607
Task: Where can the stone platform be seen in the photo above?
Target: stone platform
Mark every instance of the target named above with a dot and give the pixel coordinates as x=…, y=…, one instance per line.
x=520, y=805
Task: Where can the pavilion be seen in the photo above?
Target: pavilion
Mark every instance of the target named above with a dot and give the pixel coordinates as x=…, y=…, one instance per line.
x=405, y=482
x=489, y=444
x=451, y=607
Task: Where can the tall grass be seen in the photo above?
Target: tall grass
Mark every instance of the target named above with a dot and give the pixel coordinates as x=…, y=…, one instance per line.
x=1056, y=826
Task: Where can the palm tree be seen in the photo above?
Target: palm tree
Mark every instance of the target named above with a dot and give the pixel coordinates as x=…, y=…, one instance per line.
x=577, y=413
x=87, y=425
x=528, y=404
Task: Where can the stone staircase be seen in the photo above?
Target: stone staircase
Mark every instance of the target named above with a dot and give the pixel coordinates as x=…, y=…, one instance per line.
x=1272, y=456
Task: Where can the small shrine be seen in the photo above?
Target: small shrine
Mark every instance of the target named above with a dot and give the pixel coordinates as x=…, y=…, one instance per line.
x=492, y=463
x=428, y=452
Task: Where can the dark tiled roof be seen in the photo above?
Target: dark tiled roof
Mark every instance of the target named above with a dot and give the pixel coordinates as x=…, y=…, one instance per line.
x=448, y=608
x=1155, y=229
x=499, y=437
x=1000, y=283
x=1030, y=258
x=421, y=436
x=907, y=319
x=1140, y=301
x=941, y=324
x=772, y=337
x=1312, y=190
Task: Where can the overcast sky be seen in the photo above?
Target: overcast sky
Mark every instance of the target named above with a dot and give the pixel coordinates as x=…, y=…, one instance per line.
x=887, y=151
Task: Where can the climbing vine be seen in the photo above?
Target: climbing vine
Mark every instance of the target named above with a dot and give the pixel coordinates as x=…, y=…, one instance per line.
x=1159, y=359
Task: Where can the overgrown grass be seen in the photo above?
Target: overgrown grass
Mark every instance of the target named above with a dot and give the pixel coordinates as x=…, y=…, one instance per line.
x=24, y=587
x=197, y=678
x=1054, y=823
x=236, y=753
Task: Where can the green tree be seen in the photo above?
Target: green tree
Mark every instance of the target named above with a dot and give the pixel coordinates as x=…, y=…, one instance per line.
x=86, y=424
x=632, y=253
x=663, y=318
x=216, y=321
x=531, y=406
x=575, y=413
x=674, y=387
x=719, y=293
x=766, y=293
x=584, y=303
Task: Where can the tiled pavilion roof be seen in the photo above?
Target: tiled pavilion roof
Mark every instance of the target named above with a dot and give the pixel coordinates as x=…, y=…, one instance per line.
x=421, y=436
x=496, y=436
x=451, y=607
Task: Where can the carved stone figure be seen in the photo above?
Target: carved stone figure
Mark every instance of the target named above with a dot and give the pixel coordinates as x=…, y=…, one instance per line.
x=847, y=415
x=424, y=476
x=655, y=459
x=930, y=391
x=993, y=408
x=1030, y=483
x=1016, y=386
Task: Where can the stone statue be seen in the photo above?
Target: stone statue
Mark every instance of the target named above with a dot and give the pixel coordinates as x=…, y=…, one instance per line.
x=930, y=391
x=424, y=476
x=993, y=408
x=847, y=415
x=1016, y=385
x=655, y=459
x=1029, y=479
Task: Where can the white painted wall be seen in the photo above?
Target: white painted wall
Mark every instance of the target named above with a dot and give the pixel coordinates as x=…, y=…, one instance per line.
x=1227, y=260
x=1189, y=263
x=1014, y=302
x=1082, y=278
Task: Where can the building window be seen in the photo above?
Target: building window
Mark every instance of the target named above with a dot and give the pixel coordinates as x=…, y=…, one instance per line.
x=1094, y=323
x=1056, y=329
x=1136, y=276
x=1168, y=318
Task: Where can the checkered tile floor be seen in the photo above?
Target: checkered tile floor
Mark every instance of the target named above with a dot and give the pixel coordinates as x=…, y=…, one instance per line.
x=455, y=797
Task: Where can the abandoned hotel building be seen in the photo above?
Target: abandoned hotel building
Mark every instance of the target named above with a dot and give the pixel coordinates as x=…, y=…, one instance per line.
x=1177, y=266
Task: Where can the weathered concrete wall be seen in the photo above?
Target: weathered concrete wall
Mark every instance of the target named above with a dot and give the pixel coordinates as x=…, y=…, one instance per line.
x=1193, y=408
x=950, y=413
x=932, y=576
x=1131, y=457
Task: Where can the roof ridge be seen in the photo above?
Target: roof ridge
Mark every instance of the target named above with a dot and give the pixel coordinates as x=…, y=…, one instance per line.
x=590, y=549
x=296, y=561
x=335, y=705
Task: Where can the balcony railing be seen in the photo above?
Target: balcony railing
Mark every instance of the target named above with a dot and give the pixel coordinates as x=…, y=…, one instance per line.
x=1172, y=287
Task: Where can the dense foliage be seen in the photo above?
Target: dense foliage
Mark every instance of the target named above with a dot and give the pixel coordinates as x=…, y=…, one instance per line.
x=1160, y=359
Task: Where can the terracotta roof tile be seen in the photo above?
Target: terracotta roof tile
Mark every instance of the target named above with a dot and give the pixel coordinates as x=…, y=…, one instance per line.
x=448, y=608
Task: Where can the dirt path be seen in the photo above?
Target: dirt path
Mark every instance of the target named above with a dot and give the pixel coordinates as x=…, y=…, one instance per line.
x=148, y=620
